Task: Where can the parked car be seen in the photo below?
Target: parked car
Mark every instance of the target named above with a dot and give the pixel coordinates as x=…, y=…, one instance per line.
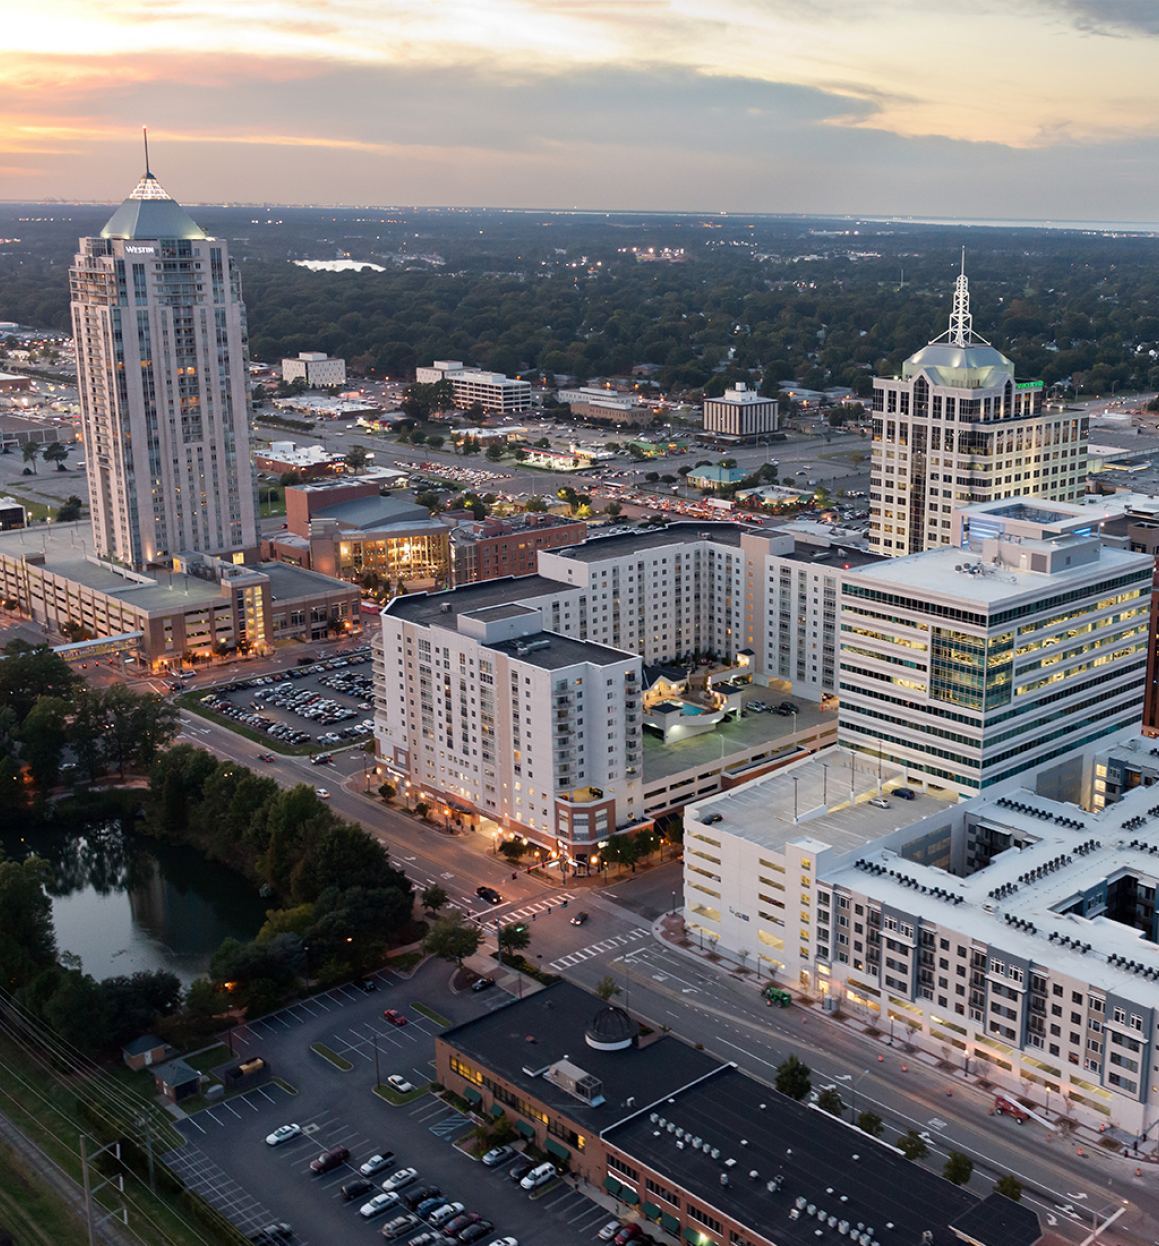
x=278, y=1231
x=378, y=1205
x=499, y=1241
x=399, y=1178
x=283, y=1133
x=400, y=1226
x=321, y=793
x=489, y=894
x=356, y=1188
x=440, y=1215
x=879, y=802
x=473, y=1232
x=458, y=1223
x=376, y=1163
x=538, y=1176
x=425, y=1192
x=498, y=1155
x=368, y=985
x=266, y=757
x=629, y=1233
x=330, y=1159
x=482, y=984
x=609, y=1230
x=429, y=1205
x=906, y=793
x=393, y=1016
x=399, y=1083
x=520, y=1169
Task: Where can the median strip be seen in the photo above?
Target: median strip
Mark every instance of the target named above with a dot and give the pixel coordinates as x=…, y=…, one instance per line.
x=432, y=1015
x=332, y=1057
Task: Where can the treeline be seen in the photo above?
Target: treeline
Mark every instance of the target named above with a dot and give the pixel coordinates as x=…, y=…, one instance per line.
x=337, y=905
x=55, y=726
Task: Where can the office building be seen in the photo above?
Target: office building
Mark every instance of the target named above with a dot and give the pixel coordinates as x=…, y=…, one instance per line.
x=1027, y=638
x=740, y=414
x=488, y=549
x=956, y=428
x=195, y=610
x=348, y=529
x=605, y=406
x=495, y=393
x=1012, y=936
x=316, y=368
x=163, y=376
x=702, y=1153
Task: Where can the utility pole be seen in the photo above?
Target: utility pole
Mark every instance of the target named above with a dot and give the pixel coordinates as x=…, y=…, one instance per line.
x=377, y=1074
x=92, y=1221
x=147, y=1125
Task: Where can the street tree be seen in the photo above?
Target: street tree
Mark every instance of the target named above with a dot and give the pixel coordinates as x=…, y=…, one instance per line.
x=958, y=1168
x=514, y=937
x=29, y=451
x=356, y=458
x=1009, y=1187
x=452, y=939
x=912, y=1145
x=793, y=1078
x=433, y=898
x=607, y=989
x=56, y=452
x=870, y=1123
x=829, y=1100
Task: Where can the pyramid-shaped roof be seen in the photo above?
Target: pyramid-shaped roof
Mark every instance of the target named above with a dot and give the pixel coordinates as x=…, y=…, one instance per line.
x=151, y=213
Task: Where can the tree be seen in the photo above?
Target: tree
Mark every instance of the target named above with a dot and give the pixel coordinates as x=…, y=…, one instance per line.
x=607, y=989
x=494, y=452
x=56, y=453
x=387, y=791
x=958, y=1168
x=27, y=938
x=912, y=1145
x=70, y=510
x=535, y=504
x=613, y=509
x=29, y=451
x=514, y=937
x=29, y=672
x=356, y=458
x=44, y=735
x=829, y=1100
x=1009, y=1187
x=436, y=441
x=451, y=939
x=514, y=849
x=793, y=1078
x=870, y=1123
x=433, y=898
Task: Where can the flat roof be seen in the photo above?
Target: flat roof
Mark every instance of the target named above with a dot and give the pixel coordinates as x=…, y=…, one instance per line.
x=553, y=651
x=836, y=556
x=824, y=797
x=936, y=571
x=761, y=1136
x=288, y=581
x=428, y=607
x=596, y=548
x=522, y=1039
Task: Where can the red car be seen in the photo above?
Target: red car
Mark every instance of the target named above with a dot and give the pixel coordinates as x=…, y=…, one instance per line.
x=329, y=1159
x=629, y=1233
x=393, y=1016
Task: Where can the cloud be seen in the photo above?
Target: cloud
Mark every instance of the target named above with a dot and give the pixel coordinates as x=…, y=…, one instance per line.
x=1122, y=18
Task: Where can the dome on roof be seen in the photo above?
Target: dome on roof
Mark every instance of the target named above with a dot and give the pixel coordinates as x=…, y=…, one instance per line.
x=151, y=213
x=611, y=1029
x=957, y=358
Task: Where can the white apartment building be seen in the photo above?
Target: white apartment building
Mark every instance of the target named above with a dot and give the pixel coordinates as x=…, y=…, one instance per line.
x=964, y=665
x=496, y=394
x=316, y=368
x=956, y=428
x=595, y=402
x=524, y=726
x=1011, y=936
x=163, y=377
x=740, y=412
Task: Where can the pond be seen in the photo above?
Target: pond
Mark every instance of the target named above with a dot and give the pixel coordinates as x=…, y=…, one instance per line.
x=123, y=902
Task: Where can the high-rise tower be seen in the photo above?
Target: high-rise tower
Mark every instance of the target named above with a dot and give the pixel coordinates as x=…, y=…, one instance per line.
x=163, y=371
x=956, y=428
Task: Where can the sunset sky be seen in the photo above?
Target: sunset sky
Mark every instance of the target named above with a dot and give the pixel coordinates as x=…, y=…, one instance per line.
x=996, y=108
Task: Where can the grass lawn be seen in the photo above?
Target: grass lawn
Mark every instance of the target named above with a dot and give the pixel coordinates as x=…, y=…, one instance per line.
x=30, y=1209
x=272, y=500
x=431, y=1015
x=208, y=1059
x=331, y=1057
x=405, y=960
x=36, y=510
x=392, y=1096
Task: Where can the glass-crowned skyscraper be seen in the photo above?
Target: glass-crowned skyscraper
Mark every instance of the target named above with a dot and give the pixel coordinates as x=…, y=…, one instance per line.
x=163, y=371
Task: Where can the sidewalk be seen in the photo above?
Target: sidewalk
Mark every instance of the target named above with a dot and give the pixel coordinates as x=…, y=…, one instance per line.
x=1086, y=1139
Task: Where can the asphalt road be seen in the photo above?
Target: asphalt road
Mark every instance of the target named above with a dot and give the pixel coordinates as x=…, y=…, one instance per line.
x=701, y=1003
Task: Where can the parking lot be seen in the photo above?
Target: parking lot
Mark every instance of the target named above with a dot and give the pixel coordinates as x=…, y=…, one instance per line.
x=227, y=1161
x=326, y=703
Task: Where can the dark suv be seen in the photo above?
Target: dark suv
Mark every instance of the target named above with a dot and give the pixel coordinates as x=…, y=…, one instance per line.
x=489, y=894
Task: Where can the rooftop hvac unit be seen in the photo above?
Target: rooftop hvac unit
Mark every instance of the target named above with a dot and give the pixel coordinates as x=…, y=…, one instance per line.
x=654, y=1118
x=715, y=1152
x=753, y=1174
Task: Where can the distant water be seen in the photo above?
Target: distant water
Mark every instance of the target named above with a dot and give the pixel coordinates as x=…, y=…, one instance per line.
x=1087, y=227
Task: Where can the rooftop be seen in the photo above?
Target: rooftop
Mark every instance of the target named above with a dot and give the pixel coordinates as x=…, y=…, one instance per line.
x=288, y=582
x=520, y=1041
x=597, y=548
x=380, y=512
x=428, y=608
x=757, y=1138
x=946, y=573
x=551, y=651
x=151, y=213
x=824, y=797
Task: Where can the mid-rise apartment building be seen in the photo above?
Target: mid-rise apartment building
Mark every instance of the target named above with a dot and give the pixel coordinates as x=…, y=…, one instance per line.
x=1013, y=936
x=163, y=379
x=956, y=427
x=495, y=393
x=740, y=414
x=316, y=368
x=966, y=664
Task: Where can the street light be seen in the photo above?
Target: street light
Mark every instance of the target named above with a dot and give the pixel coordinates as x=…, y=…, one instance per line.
x=846, y=1077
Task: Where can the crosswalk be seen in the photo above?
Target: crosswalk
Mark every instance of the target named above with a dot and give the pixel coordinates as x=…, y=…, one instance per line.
x=529, y=912
x=597, y=949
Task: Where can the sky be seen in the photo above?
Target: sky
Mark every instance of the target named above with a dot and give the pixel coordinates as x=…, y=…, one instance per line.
x=1025, y=109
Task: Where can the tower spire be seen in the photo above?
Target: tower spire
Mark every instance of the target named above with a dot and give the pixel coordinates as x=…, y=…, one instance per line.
x=145, y=135
x=961, y=331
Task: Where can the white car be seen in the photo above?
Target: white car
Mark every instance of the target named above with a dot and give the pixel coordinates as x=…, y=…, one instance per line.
x=538, y=1176
x=497, y=1155
x=400, y=1178
x=505, y=1241
x=609, y=1230
x=440, y=1215
x=379, y=1204
x=376, y=1163
x=283, y=1133
x=321, y=793
x=399, y=1083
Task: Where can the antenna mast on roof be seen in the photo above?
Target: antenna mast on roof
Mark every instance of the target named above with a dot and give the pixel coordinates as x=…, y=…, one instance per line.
x=145, y=134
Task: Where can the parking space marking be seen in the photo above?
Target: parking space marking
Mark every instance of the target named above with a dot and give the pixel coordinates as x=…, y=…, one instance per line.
x=199, y=1174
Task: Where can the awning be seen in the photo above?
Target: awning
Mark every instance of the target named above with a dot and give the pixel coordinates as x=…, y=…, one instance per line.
x=669, y=1222
x=496, y=1110
x=611, y=1184
x=651, y=1211
x=629, y=1196
x=558, y=1149
x=528, y=1131
x=472, y=1095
